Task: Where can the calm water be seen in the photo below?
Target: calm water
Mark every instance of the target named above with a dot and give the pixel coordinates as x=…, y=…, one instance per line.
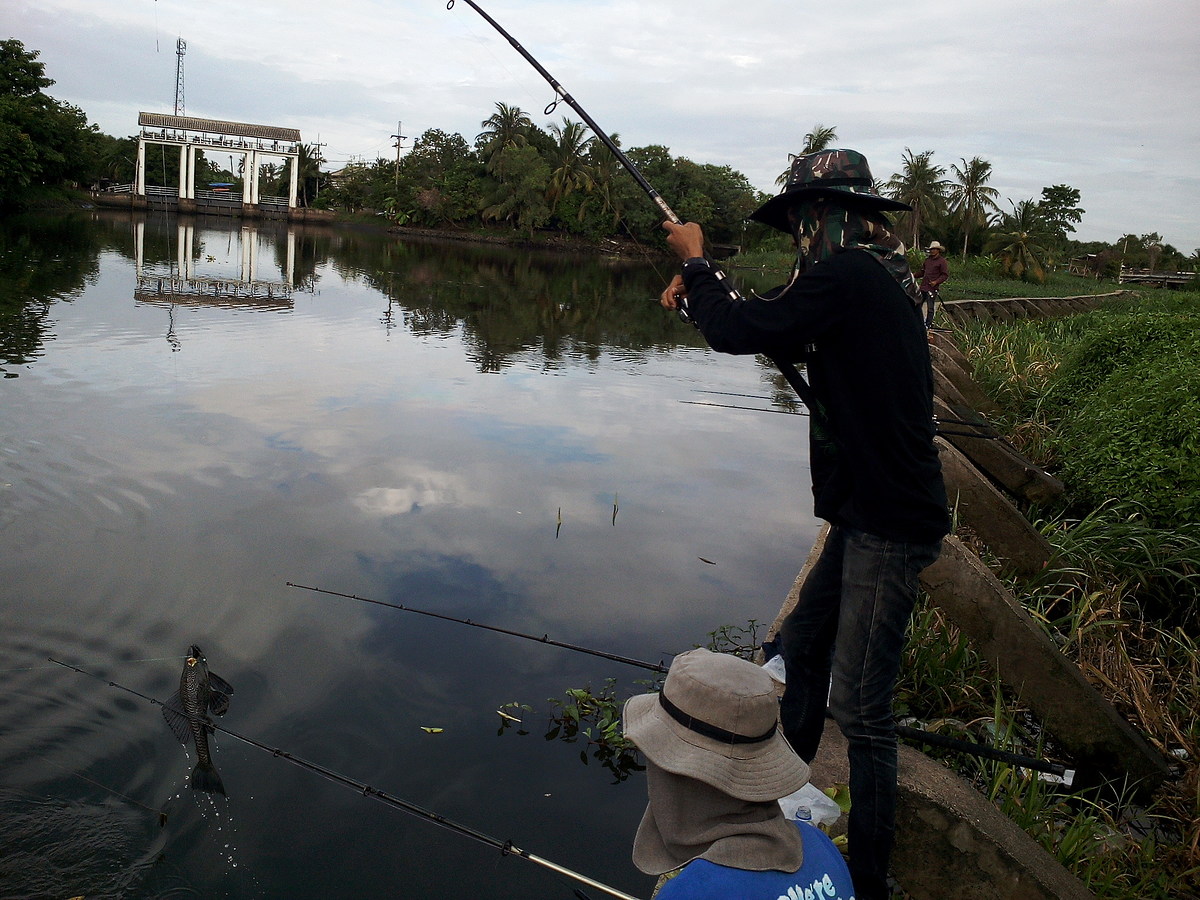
x=433, y=424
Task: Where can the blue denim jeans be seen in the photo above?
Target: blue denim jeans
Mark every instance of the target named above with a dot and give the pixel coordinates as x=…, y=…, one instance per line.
x=929, y=300
x=843, y=640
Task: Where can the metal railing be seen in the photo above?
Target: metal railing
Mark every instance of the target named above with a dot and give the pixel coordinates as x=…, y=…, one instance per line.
x=284, y=148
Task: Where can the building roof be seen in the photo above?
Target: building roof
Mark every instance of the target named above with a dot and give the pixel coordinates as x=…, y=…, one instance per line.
x=216, y=126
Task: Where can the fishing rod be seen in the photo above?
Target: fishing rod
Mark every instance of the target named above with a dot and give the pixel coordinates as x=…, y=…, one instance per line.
x=544, y=639
x=571, y=102
x=787, y=369
x=506, y=848
x=904, y=731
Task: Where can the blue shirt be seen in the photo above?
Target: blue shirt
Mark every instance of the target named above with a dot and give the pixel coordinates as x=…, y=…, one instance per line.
x=823, y=876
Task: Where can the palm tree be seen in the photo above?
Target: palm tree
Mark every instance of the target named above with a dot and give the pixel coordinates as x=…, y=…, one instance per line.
x=506, y=127
x=971, y=197
x=568, y=161
x=308, y=172
x=815, y=141
x=920, y=185
x=1021, y=242
x=603, y=172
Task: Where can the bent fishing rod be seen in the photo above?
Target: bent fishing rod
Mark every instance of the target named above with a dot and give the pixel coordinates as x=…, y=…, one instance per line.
x=506, y=848
x=914, y=734
x=787, y=369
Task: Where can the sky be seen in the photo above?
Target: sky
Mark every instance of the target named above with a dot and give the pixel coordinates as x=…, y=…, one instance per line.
x=1101, y=95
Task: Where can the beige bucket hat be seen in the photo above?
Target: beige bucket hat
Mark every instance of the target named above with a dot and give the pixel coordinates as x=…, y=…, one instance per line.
x=716, y=720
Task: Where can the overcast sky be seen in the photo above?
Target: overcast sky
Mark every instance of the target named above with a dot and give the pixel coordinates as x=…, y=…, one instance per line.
x=1102, y=95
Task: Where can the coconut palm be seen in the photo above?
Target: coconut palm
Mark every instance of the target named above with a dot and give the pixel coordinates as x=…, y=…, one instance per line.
x=815, y=141
x=603, y=172
x=971, y=197
x=920, y=185
x=1022, y=241
x=308, y=172
x=568, y=161
x=506, y=127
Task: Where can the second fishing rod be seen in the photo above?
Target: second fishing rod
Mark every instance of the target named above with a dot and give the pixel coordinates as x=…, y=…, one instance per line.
x=913, y=734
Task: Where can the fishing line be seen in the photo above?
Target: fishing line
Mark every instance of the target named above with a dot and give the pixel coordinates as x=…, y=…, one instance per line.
x=507, y=848
x=123, y=661
x=479, y=39
x=788, y=412
x=904, y=731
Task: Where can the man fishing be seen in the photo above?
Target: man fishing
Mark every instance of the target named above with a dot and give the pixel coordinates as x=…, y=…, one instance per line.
x=850, y=315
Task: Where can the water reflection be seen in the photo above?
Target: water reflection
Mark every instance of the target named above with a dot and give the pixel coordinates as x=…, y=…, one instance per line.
x=432, y=423
x=41, y=261
x=198, y=276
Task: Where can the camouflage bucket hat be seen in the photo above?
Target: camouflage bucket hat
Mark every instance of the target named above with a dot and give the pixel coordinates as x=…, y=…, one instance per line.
x=843, y=174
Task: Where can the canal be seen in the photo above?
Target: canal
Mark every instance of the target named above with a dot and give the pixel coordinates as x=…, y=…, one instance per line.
x=194, y=414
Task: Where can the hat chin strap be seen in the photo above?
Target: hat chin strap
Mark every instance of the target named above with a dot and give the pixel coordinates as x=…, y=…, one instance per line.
x=708, y=730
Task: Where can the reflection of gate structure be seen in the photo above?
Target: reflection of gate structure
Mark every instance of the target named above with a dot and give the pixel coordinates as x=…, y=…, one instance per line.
x=182, y=284
x=252, y=142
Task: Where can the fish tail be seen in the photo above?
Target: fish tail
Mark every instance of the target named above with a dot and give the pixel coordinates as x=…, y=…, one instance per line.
x=206, y=778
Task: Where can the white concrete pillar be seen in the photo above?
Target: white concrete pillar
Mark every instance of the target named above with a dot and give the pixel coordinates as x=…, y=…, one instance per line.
x=189, y=248
x=191, y=185
x=289, y=272
x=292, y=188
x=184, y=153
x=139, y=170
x=180, y=249
x=244, y=271
x=139, y=245
x=246, y=178
x=252, y=161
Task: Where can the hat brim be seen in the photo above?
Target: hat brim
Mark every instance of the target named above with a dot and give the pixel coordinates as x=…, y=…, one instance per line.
x=775, y=211
x=758, y=772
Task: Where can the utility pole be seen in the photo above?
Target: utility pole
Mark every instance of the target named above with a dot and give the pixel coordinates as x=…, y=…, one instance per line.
x=318, y=160
x=400, y=138
x=180, y=49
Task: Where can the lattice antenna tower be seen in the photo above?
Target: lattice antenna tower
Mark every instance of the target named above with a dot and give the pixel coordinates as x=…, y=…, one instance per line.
x=180, y=49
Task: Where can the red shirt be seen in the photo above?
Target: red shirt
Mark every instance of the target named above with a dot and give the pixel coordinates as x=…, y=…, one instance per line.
x=934, y=272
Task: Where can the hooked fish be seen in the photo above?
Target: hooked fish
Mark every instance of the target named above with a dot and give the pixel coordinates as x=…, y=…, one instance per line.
x=200, y=693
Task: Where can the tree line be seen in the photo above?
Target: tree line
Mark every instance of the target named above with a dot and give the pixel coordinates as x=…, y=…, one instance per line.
x=516, y=175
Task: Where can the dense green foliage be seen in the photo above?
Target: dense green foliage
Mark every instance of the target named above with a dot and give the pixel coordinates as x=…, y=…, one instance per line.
x=1112, y=398
x=42, y=141
x=520, y=176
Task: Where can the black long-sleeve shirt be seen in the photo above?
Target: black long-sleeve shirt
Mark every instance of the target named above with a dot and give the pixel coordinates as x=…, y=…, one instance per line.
x=874, y=465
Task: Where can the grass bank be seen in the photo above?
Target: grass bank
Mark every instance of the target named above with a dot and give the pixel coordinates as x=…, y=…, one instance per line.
x=1110, y=401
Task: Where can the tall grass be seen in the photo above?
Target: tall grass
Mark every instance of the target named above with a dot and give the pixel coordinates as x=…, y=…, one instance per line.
x=1121, y=598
